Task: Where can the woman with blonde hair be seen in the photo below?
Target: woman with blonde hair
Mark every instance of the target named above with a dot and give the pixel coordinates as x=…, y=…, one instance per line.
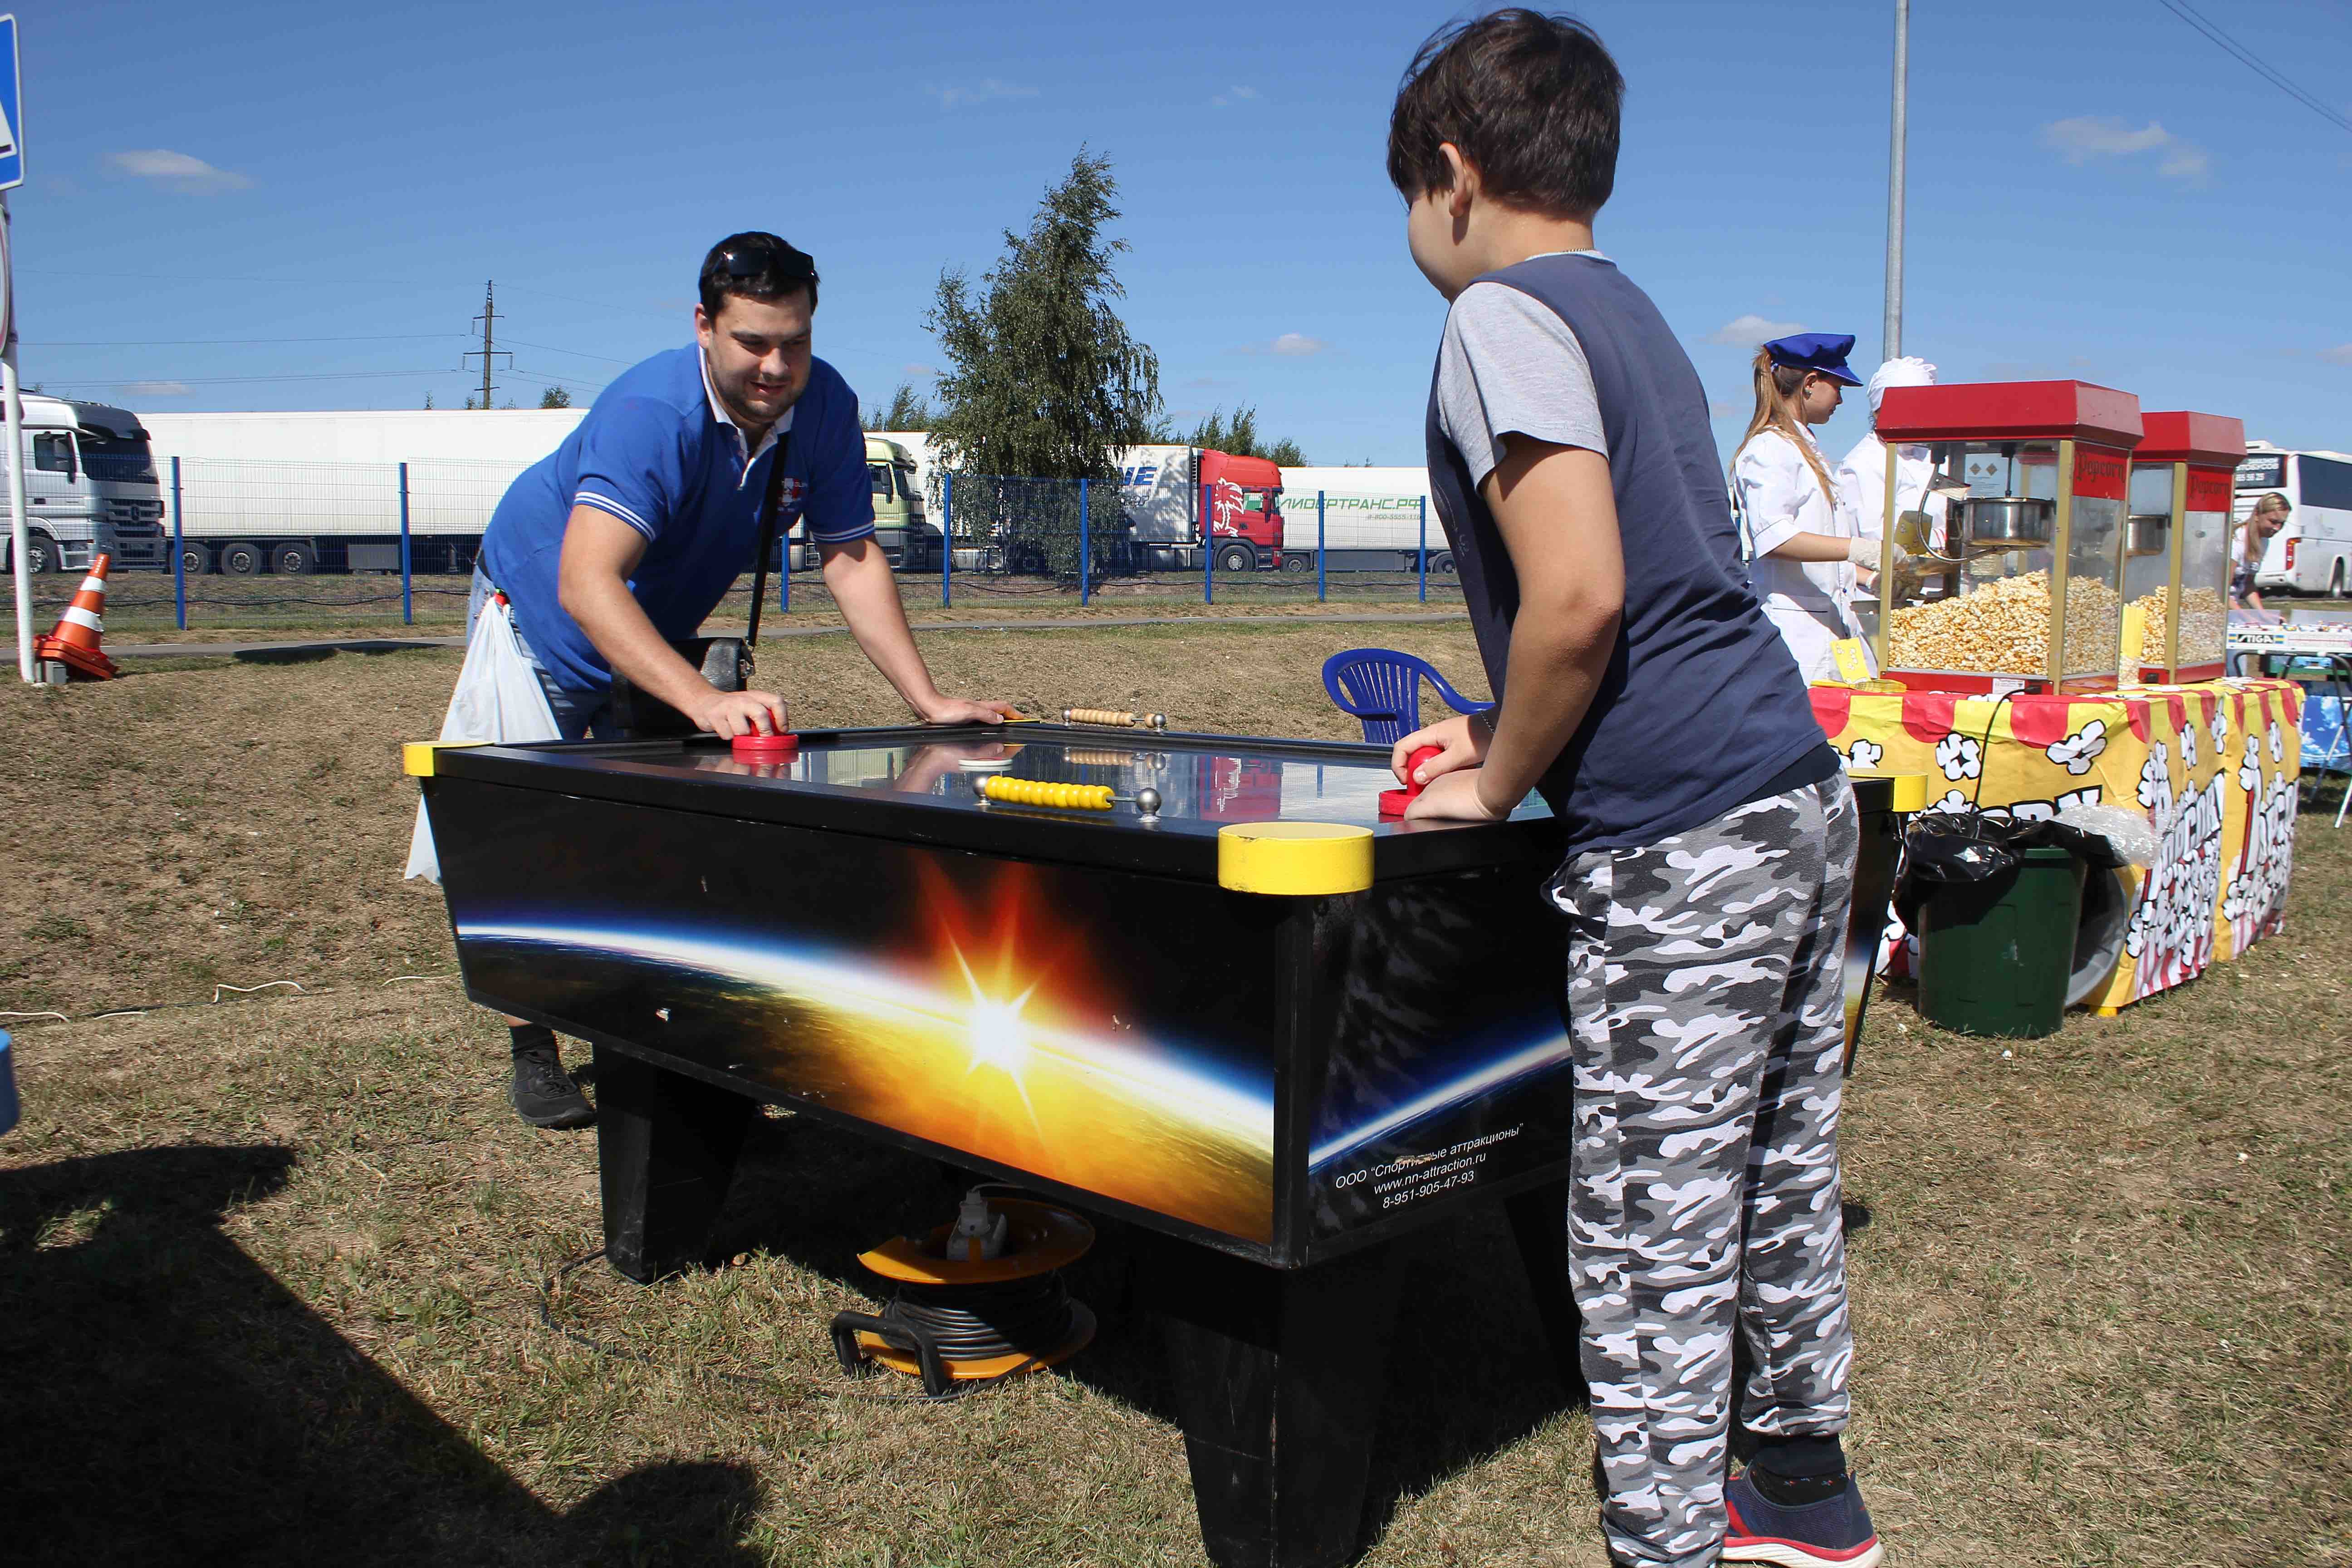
x=1802, y=538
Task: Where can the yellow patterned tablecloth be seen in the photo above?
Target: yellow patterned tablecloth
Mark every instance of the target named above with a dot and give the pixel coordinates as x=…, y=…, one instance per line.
x=2213, y=766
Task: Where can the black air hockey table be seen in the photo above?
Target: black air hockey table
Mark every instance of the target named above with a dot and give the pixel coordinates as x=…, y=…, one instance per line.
x=1261, y=1023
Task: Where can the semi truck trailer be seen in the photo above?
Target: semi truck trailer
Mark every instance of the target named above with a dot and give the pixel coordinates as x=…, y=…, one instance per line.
x=1372, y=520
x=296, y=492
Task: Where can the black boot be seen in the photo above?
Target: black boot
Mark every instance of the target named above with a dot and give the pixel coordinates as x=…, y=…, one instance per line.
x=543, y=1093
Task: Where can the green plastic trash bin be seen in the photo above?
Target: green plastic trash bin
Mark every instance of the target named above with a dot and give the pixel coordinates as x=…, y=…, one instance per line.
x=1995, y=956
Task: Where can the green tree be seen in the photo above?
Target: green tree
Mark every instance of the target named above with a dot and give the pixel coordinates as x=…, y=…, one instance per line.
x=1044, y=381
x=906, y=410
x=555, y=397
x=1240, y=438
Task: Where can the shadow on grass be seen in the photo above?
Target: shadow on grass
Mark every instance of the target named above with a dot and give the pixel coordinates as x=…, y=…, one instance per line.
x=1469, y=1370
x=169, y=1401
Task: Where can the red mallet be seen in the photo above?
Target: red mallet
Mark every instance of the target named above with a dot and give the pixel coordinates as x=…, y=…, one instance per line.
x=1394, y=801
x=757, y=747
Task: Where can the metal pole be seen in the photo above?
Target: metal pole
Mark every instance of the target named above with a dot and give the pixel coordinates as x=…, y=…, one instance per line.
x=1208, y=554
x=179, y=555
x=407, y=598
x=1320, y=584
x=784, y=573
x=1086, y=560
x=1424, y=550
x=18, y=542
x=947, y=540
x=1891, y=334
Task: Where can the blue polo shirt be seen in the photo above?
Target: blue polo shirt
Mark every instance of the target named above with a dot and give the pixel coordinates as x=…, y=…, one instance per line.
x=658, y=452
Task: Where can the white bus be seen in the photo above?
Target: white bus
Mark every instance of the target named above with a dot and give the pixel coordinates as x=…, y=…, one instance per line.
x=2313, y=553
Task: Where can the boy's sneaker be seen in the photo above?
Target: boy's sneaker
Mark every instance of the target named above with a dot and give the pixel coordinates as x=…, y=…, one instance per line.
x=543, y=1093
x=1831, y=1534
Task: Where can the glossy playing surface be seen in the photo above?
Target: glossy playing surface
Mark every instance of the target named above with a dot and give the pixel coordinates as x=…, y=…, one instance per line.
x=1204, y=782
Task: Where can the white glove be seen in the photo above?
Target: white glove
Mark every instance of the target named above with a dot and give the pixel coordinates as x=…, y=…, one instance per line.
x=1864, y=554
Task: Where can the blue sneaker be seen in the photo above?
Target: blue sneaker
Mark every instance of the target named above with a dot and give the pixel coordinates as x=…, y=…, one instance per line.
x=1831, y=1534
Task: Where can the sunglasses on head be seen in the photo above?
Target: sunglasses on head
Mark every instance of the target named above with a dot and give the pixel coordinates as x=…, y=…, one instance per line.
x=765, y=258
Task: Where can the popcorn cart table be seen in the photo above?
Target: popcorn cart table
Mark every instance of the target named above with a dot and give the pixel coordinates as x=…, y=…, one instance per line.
x=2215, y=765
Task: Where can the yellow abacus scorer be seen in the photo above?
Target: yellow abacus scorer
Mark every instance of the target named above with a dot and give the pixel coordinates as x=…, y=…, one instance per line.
x=1062, y=796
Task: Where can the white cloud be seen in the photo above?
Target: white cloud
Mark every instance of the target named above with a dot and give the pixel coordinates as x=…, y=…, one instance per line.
x=982, y=91
x=1290, y=345
x=2090, y=136
x=1752, y=331
x=920, y=371
x=2340, y=354
x=1232, y=94
x=158, y=389
x=176, y=170
x=1724, y=411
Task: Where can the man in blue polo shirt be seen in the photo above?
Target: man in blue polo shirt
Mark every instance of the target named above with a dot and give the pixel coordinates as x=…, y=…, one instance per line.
x=627, y=537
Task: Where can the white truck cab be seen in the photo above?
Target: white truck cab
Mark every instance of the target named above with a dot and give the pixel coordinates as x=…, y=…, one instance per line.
x=90, y=486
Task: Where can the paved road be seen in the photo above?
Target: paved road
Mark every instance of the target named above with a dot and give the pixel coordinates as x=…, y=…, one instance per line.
x=316, y=647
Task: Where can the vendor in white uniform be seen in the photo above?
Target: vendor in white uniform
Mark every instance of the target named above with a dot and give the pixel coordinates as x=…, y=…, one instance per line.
x=1802, y=541
x=1862, y=478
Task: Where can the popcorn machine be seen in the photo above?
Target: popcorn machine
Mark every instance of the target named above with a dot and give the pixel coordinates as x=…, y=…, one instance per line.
x=2176, y=546
x=2018, y=585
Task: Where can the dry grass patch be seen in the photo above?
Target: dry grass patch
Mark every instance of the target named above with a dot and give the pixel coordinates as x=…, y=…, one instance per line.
x=269, y=1270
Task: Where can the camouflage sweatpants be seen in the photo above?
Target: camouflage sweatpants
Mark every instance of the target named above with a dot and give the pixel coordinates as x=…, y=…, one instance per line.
x=1706, y=993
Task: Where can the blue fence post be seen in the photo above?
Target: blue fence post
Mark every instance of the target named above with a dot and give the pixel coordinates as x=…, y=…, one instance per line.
x=947, y=540
x=1424, y=550
x=407, y=596
x=784, y=573
x=179, y=555
x=1085, y=555
x=1208, y=544
x=1321, y=583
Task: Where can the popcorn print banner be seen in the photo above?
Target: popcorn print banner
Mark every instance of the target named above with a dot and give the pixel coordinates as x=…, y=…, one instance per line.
x=2214, y=765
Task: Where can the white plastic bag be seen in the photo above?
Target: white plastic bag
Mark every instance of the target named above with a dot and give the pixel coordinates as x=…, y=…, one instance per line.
x=2133, y=837
x=498, y=698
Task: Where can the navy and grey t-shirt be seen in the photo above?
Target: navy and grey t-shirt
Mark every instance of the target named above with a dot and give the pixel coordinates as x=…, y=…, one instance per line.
x=1701, y=708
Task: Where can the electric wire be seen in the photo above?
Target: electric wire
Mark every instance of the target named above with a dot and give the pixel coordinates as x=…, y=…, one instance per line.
x=2255, y=64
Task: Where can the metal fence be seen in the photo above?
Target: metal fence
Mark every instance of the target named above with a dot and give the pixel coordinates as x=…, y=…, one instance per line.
x=255, y=543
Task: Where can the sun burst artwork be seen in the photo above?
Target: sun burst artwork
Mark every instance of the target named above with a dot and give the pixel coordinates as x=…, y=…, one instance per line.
x=996, y=1028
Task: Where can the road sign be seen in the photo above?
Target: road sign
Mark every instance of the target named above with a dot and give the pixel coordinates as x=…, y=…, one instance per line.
x=12, y=101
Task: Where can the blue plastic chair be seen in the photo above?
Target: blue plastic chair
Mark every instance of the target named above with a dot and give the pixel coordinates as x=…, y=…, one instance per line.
x=1382, y=689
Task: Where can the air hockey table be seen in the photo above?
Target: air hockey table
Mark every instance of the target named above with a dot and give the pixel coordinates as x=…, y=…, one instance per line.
x=1212, y=992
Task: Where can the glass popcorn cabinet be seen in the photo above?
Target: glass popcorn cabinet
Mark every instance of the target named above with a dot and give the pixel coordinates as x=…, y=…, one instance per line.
x=2176, y=547
x=2014, y=574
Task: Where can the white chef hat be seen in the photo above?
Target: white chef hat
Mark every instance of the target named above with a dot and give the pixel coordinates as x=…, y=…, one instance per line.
x=1908, y=371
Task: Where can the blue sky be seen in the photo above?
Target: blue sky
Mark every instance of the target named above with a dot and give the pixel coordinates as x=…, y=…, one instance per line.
x=2096, y=191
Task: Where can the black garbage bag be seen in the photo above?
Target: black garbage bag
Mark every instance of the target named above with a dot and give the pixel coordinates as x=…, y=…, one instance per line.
x=1947, y=846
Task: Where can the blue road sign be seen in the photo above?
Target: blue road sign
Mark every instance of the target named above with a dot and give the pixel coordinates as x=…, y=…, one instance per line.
x=12, y=101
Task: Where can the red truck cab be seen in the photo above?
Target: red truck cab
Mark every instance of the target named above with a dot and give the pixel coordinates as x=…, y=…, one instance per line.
x=1243, y=498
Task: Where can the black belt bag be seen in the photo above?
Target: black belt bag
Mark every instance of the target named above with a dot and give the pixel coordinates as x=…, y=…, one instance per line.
x=725, y=662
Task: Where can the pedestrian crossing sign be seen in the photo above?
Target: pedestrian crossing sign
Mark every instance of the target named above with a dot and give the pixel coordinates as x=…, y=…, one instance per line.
x=12, y=99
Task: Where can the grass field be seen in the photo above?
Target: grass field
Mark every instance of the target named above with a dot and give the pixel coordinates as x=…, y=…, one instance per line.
x=270, y=1262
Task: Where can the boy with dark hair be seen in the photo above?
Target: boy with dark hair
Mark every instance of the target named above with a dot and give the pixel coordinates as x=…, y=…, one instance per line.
x=1711, y=835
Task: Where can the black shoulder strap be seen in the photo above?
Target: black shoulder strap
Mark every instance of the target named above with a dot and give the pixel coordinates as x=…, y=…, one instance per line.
x=769, y=508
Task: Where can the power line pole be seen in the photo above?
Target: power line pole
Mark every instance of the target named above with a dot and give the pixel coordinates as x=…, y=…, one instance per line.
x=1891, y=334
x=488, y=319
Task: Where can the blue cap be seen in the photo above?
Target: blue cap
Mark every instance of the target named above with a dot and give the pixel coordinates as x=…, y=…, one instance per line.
x=1823, y=351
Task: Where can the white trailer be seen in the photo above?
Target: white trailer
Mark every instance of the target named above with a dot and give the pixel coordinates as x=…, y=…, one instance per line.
x=1372, y=520
x=296, y=492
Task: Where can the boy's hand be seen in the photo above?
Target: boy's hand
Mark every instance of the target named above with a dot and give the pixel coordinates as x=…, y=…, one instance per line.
x=1461, y=741
x=1454, y=797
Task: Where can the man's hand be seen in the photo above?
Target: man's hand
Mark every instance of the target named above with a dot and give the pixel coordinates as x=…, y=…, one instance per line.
x=961, y=711
x=742, y=713
x=1462, y=741
x=1454, y=797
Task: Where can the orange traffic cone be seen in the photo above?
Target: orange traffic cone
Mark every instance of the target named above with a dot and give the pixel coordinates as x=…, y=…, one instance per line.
x=75, y=642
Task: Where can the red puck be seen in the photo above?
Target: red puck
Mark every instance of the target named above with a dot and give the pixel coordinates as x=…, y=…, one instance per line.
x=761, y=748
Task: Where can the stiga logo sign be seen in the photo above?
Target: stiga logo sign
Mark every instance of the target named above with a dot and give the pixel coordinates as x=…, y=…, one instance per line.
x=2100, y=473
